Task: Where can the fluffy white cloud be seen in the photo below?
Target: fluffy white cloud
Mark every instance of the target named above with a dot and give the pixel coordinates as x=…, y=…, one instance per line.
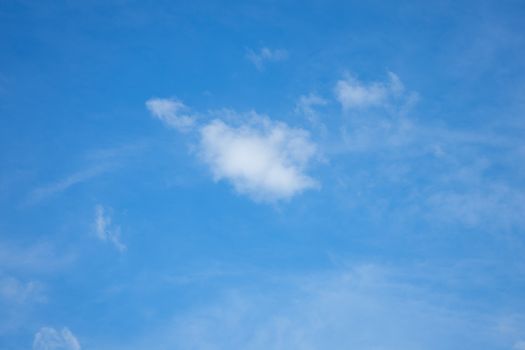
x=263, y=159
x=105, y=230
x=266, y=55
x=172, y=112
x=352, y=93
x=48, y=338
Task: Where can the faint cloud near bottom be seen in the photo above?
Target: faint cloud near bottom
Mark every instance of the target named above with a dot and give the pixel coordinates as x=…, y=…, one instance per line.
x=48, y=338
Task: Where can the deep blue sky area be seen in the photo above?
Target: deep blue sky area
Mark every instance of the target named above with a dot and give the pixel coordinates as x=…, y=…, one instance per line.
x=262, y=175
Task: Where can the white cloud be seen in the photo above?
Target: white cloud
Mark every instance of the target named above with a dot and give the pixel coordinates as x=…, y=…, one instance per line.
x=352, y=93
x=48, y=338
x=263, y=159
x=172, y=112
x=105, y=230
x=266, y=55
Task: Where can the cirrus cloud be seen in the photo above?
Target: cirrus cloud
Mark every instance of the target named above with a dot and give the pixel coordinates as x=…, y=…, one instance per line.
x=105, y=230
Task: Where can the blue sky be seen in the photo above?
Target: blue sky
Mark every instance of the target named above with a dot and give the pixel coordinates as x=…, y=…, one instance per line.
x=262, y=175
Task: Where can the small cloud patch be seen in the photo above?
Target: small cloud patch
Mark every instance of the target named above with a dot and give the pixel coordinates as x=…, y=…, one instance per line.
x=171, y=112
x=262, y=158
x=352, y=93
x=264, y=55
x=105, y=230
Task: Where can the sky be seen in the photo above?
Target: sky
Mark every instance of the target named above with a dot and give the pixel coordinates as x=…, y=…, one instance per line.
x=271, y=175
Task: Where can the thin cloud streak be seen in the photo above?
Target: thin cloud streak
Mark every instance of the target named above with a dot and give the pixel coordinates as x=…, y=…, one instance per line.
x=64, y=184
x=99, y=162
x=105, y=230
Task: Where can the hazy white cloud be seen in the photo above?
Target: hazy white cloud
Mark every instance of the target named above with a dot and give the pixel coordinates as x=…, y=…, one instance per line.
x=520, y=345
x=105, y=230
x=13, y=290
x=172, y=112
x=366, y=307
x=379, y=134
x=262, y=158
x=448, y=169
x=38, y=257
x=20, y=301
x=259, y=58
x=306, y=104
x=489, y=206
x=48, y=338
x=352, y=93
x=63, y=184
x=23, y=285
x=100, y=161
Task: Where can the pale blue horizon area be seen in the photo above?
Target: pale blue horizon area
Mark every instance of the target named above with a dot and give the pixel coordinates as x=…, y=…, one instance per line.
x=262, y=175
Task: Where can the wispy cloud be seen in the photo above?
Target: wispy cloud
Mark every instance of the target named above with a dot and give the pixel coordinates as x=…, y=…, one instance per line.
x=23, y=284
x=172, y=112
x=263, y=159
x=105, y=230
x=307, y=106
x=447, y=171
x=519, y=345
x=48, y=338
x=38, y=257
x=14, y=290
x=62, y=185
x=337, y=309
x=262, y=56
x=260, y=159
x=352, y=93
x=490, y=206
x=99, y=162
